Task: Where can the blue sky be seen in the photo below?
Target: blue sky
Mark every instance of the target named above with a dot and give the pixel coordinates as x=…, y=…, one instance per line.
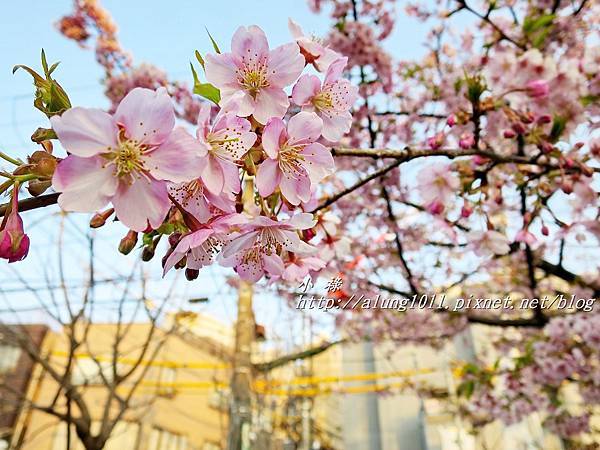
x=165, y=34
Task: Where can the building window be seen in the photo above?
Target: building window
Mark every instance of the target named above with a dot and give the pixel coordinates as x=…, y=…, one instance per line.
x=9, y=357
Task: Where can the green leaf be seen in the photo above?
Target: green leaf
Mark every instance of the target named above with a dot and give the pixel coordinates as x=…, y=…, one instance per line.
x=558, y=127
x=208, y=91
x=53, y=68
x=194, y=74
x=589, y=99
x=531, y=25
x=44, y=63
x=214, y=44
x=200, y=59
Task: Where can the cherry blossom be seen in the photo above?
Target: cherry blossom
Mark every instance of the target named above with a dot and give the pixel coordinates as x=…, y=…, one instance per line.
x=312, y=49
x=259, y=73
x=295, y=160
x=201, y=246
x=226, y=142
x=258, y=250
x=331, y=101
x=125, y=158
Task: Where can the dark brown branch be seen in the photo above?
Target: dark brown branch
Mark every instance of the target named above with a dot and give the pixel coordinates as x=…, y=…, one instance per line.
x=399, y=247
x=33, y=203
x=329, y=201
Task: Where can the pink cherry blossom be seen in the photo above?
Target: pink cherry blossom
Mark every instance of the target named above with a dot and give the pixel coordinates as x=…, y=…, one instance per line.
x=312, y=49
x=195, y=198
x=295, y=160
x=437, y=183
x=259, y=73
x=331, y=101
x=227, y=141
x=125, y=158
x=490, y=242
x=297, y=268
x=257, y=251
x=201, y=246
x=14, y=243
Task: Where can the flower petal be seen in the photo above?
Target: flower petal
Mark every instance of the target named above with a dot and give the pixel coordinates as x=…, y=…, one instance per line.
x=221, y=70
x=318, y=162
x=304, y=127
x=144, y=201
x=295, y=189
x=148, y=116
x=285, y=65
x=212, y=175
x=270, y=102
x=85, y=132
x=85, y=184
x=268, y=177
x=177, y=159
x=335, y=125
x=273, y=135
x=305, y=89
x=335, y=70
x=250, y=44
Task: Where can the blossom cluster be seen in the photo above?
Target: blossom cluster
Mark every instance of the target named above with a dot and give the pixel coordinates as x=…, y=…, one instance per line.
x=159, y=178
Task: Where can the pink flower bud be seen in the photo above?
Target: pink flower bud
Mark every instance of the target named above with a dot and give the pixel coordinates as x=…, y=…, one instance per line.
x=435, y=207
x=567, y=186
x=14, y=243
x=518, y=128
x=545, y=230
x=436, y=141
x=544, y=119
x=451, y=121
x=538, y=88
x=466, y=211
x=467, y=141
x=509, y=134
x=479, y=160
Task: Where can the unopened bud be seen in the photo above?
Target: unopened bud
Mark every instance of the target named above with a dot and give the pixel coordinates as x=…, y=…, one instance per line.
x=466, y=211
x=509, y=134
x=99, y=219
x=191, y=274
x=544, y=119
x=451, y=121
x=519, y=128
x=149, y=250
x=37, y=187
x=567, y=186
x=128, y=242
x=545, y=230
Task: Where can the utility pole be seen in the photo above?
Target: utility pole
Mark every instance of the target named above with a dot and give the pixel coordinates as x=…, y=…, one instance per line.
x=240, y=408
x=240, y=412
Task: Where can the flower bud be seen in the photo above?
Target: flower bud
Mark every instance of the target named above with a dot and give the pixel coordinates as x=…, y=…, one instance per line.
x=545, y=230
x=37, y=187
x=435, y=207
x=191, y=274
x=451, y=121
x=519, y=128
x=436, y=141
x=466, y=211
x=544, y=119
x=467, y=141
x=14, y=243
x=99, y=219
x=537, y=88
x=128, y=242
x=509, y=134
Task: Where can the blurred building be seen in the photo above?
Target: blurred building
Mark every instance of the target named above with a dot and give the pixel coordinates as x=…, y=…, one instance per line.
x=179, y=403
x=15, y=373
